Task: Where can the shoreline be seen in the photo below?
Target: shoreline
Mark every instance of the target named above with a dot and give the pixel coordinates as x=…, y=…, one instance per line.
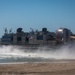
x=50, y=61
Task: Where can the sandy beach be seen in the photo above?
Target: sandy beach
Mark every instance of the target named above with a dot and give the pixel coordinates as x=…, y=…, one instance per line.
x=38, y=69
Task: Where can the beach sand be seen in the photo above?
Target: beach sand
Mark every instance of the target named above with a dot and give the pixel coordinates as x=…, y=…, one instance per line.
x=38, y=69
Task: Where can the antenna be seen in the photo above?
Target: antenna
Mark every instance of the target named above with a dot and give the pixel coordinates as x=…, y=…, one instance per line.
x=6, y=31
x=10, y=30
x=32, y=31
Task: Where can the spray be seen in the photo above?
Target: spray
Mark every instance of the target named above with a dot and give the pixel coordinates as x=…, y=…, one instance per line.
x=64, y=52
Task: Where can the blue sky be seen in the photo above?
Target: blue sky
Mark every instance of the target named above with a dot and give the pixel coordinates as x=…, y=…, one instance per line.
x=37, y=14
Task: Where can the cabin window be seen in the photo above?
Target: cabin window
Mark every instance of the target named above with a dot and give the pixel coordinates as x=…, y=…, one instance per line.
x=39, y=37
x=27, y=39
x=19, y=38
x=12, y=38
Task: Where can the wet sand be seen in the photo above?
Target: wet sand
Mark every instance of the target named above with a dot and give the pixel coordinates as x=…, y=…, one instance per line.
x=38, y=69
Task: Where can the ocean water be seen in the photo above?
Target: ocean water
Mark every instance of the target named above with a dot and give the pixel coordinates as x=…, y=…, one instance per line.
x=16, y=54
